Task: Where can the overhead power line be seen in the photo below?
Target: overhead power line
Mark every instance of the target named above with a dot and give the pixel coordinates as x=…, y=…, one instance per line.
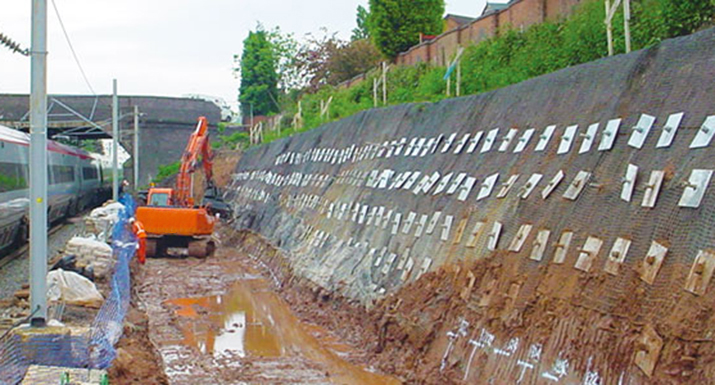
x=12, y=45
x=74, y=54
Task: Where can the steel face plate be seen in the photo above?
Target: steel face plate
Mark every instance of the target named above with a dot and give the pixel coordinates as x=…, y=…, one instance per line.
x=408, y=222
x=588, y=138
x=456, y=183
x=695, y=188
x=540, y=243
x=617, y=255
x=544, y=138
x=669, y=130
x=433, y=222
x=567, y=140
x=629, y=182
x=652, y=262
x=641, y=131
x=494, y=236
x=524, y=140
x=553, y=183
x=705, y=134
x=588, y=254
x=520, y=238
x=448, y=143
x=508, y=138
x=474, y=235
x=446, y=228
x=487, y=186
x=474, y=142
x=562, y=247
x=530, y=185
x=575, y=188
x=653, y=188
x=466, y=188
x=443, y=183
x=489, y=140
x=421, y=225
x=461, y=144
x=506, y=186
x=609, y=134
x=700, y=273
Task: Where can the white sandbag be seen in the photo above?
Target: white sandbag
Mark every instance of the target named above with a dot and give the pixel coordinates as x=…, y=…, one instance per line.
x=91, y=252
x=102, y=219
x=88, y=247
x=108, y=210
x=73, y=289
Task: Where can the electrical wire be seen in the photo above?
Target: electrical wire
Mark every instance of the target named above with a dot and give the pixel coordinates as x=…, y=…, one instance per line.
x=74, y=54
x=12, y=45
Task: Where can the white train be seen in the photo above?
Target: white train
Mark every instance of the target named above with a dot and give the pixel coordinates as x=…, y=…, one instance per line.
x=76, y=182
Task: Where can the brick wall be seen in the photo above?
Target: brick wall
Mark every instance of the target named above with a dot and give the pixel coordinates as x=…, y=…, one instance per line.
x=519, y=15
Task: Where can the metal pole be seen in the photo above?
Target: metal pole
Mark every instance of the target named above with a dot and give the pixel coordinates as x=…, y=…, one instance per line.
x=374, y=92
x=609, y=28
x=459, y=76
x=38, y=165
x=626, y=23
x=115, y=139
x=384, y=83
x=136, y=148
x=251, y=104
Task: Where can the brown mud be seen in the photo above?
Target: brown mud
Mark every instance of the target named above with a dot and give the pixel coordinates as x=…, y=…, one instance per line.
x=218, y=320
x=137, y=361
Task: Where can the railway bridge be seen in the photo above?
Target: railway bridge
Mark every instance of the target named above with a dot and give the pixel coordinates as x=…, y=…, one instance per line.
x=165, y=123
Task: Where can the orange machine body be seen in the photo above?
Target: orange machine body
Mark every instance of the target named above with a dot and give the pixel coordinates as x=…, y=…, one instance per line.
x=175, y=221
x=170, y=217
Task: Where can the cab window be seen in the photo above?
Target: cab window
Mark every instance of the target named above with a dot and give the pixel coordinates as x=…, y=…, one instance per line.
x=159, y=199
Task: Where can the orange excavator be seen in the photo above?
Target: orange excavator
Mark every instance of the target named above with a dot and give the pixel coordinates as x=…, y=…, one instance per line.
x=170, y=218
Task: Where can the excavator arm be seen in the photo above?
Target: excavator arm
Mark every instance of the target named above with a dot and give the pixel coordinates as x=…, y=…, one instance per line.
x=198, y=151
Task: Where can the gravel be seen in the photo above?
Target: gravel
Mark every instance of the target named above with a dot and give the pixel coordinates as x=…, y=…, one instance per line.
x=16, y=272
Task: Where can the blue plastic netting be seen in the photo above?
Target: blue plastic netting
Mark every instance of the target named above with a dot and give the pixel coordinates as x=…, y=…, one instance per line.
x=96, y=350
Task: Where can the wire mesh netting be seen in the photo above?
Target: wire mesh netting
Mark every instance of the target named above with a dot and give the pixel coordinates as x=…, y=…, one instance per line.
x=95, y=350
x=107, y=326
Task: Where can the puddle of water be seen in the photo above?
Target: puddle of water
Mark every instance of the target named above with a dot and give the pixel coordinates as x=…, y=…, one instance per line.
x=251, y=320
x=227, y=325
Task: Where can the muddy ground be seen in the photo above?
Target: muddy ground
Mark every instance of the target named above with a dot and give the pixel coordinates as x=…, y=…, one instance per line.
x=220, y=320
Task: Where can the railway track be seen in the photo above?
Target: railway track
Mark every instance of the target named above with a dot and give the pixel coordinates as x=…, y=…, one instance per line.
x=22, y=250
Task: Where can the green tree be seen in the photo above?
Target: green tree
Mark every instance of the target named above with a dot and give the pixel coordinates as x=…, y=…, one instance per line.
x=259, y=79
x=395, y=25
x=362, y=31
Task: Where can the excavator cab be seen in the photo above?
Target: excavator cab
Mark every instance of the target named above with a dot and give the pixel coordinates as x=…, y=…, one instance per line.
x=162, y=197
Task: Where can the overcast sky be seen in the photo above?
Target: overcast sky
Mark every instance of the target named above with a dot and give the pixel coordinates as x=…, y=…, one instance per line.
x=163, y=47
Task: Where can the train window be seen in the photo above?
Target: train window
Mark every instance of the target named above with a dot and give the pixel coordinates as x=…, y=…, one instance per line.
x=61, y=174
x=12, y=176
x=89, y=173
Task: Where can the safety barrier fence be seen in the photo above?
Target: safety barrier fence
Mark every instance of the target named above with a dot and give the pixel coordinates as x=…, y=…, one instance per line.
x=95, y=350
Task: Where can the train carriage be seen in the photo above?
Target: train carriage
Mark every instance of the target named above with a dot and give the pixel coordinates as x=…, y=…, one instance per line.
x=74, y=184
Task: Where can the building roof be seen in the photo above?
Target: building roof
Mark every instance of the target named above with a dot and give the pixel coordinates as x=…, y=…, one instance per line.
x=494, y=7
x=460, y=20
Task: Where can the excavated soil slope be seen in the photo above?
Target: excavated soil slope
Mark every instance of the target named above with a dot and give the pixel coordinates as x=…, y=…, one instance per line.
x=483, y=254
